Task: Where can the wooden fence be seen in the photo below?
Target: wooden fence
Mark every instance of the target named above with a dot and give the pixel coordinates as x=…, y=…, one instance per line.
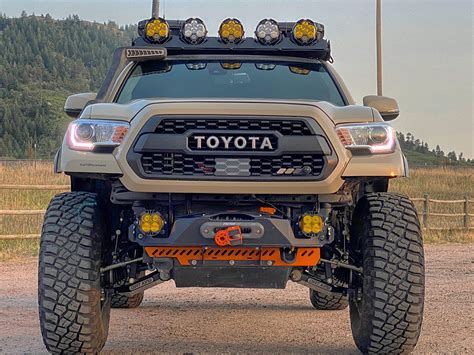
x=425, y=213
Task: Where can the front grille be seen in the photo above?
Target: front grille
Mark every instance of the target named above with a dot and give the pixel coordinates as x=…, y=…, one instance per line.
x=236, y=148
x=284, y=127
x=288, y=165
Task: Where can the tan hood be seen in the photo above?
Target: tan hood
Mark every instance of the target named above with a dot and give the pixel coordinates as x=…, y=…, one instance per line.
x=338, y=115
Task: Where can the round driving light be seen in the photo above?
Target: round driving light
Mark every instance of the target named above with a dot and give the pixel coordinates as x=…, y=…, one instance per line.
x=194, y=31
x=151, y=223
x=378, y=135
x=85, y=132
x=231, y=31
x=305, y=32
x=307, y=219
x=268, y=32
x=158, y=30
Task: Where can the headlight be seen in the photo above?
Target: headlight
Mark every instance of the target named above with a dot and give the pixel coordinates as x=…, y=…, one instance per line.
x=86, y=135
x=376, y=138
x=194, y=31
x=268, y=32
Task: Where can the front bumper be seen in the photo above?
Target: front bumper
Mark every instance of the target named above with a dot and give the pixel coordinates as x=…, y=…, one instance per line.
x=259, y=231
x=266, y=242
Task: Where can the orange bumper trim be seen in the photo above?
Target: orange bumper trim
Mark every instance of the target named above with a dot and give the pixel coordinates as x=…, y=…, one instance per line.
x=184, y=255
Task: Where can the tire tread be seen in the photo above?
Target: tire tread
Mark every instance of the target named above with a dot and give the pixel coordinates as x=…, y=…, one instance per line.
x=69, y=276
x=394, y=261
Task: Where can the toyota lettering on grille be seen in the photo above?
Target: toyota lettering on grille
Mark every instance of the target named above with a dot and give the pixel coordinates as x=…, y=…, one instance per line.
x=228, y=142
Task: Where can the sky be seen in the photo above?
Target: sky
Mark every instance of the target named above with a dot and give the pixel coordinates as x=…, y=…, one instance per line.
x=428, y=48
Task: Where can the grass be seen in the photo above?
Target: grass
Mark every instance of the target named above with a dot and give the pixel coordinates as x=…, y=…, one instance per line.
x=439, y=183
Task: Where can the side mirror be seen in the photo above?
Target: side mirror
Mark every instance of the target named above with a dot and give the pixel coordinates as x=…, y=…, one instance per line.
x=387, y=106
x=76, y=103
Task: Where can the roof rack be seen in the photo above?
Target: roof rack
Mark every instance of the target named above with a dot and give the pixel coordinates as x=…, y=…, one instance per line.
x=174, y=45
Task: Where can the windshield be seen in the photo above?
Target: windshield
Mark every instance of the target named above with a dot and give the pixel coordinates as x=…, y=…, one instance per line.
x=237, y=80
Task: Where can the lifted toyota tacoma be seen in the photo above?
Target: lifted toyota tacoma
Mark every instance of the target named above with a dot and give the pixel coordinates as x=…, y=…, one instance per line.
x=230, y=161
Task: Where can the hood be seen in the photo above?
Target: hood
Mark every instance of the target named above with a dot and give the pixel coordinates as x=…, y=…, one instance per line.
x=338, y=115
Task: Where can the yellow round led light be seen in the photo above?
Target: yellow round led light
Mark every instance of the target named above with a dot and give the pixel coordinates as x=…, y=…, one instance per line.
x=145, y=227
x=305, y=32
x=151, y=223
x=155, y=227
x=158, y=30
x=311, y=224
x=231, y=31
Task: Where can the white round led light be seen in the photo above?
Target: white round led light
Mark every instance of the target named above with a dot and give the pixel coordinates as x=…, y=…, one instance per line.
x=194, y=31
x=268, y=32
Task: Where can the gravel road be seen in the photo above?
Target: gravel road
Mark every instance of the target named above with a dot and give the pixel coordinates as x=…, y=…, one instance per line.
x=264, y=321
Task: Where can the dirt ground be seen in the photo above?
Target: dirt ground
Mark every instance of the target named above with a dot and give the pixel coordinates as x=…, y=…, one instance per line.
x=264, y=321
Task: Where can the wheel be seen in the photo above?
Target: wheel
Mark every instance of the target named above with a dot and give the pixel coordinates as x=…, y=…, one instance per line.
x=324, y=302
x=74, y=312
x=387, y=310
x=134, y=301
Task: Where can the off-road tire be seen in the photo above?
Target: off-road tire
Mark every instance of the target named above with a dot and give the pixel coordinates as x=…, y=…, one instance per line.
x=323, y=302
x=74, y=314
x=388, y=314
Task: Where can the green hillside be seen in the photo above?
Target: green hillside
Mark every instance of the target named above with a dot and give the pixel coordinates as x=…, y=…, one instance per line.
x=43, y=60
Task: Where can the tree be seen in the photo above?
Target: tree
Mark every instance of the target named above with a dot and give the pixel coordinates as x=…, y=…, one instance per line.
x=452, y=157
x=42, y=61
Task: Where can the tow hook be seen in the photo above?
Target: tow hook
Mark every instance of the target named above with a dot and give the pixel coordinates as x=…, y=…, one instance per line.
x=231, y=236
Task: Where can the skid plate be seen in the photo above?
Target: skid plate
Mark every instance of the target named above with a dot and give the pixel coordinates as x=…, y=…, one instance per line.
x=261, y=256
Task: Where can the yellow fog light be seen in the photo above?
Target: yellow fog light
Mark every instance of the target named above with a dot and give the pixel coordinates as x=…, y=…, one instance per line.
x=305, y=32
x=151, y=223
x=231, y=31
x=311, y=224
x=158, y=30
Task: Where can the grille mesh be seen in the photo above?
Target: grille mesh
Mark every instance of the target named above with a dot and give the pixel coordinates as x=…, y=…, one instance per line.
x=174, y=164
x=284, y=127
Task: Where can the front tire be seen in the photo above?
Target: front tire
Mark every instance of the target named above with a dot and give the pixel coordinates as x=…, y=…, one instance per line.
x=74, y=311
x=387, y=311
